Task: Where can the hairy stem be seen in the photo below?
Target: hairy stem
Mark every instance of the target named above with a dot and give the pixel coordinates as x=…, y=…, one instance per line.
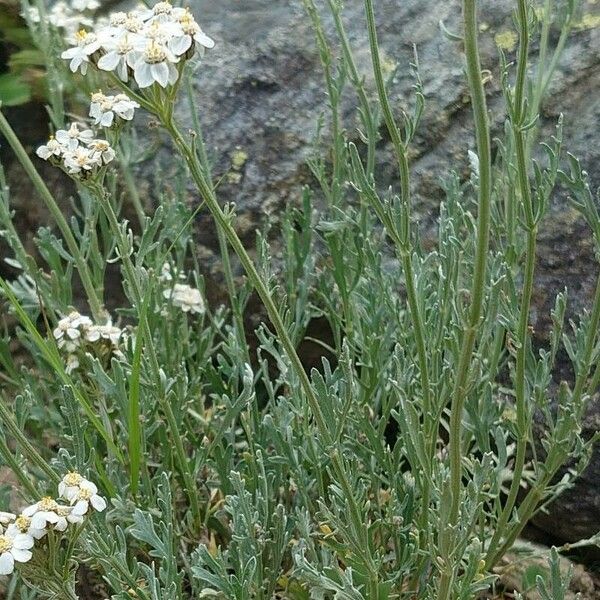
x=459, y=391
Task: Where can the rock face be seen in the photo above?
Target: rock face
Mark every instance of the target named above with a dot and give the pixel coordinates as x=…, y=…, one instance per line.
x=260, y=92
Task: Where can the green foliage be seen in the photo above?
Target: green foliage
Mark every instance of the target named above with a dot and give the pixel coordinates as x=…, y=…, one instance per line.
x=231, y=472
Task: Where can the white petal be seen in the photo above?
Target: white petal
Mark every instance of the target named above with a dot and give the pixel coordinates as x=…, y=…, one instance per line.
x=204, y=40
x=88, y=486
x=23, y=542
x=38, y=521
x=173, y=74
x=107, y=119
x=122, y=71
x=7, y=563
x=70, y=53
x=21, y=555
x=43, y=152
x=29, y=511
x=160, y=73
x=180, y=45
x=98, y=502
x=80, y=508
x=109, y=61
x=143, y=75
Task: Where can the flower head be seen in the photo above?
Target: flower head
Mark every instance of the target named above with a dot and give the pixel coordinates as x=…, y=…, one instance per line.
x=52, y=148
x=87, y=43
x=186, y=297
x=24, y=524
x=69, y=330
x=87, y=495
x=145, y=43
x=6, y=518
x=14, y=547
x=72, y=137
x=156, y=64
x=103, y=109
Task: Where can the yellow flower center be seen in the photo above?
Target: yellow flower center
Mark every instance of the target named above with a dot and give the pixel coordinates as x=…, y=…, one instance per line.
x=133, y=24
x=155, y=53
x=73, y=478
x=162, y=8
x=5, y=544
x=23, y=523
x=47, y=503
x=124, y=46
x=98, y=96
x=85, y=494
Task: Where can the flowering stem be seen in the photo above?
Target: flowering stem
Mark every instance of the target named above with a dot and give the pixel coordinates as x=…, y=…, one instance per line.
x=459, y=392
x=403, y=243
x=227, y=270
x=82, y=267
x=523, y=327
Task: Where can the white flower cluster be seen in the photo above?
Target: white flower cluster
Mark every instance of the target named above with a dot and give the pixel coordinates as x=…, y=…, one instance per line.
x=145, y=43
x=182, y=295
x=186, y=297
x=76, y=150
x=18, y=534
x=77, y=332
x=104, y=109
x=68, y=16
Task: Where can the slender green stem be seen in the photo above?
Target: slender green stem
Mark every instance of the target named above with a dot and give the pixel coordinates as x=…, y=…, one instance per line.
x=521, y=397
x=459, y=391
x=405, y=255
x=223, y=221
x=240, y=328
x=82, y=267
x=358, y=83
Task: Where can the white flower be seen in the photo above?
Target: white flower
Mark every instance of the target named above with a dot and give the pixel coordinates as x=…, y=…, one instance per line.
x=160, y=12
x=124, y=107
x=6, y=518
x=186, y=297
x=68, y=487
x=42, y=513
x=68, y=331
x=14, y=548
x=121, y=55
x=52, y=148
x=69, y=138
x=72, y=363
x=101, y=151
x=155, y=65
x=106, y=332
x=82, y=5
x=80, y=160
x=86, y=496
x=189, y=33
x=24, y=524
x=87, y=44
x=104, y=108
